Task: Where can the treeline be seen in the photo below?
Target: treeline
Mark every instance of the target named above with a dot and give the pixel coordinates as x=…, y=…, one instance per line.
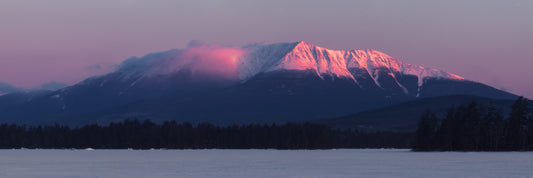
x=477, y=128
x=171, y=135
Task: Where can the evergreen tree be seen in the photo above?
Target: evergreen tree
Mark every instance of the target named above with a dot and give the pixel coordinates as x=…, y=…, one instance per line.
x=426, y=132
x=471, y=127
x=171, y=135
x=492, y=126
x=477, y=128
x=447, y=131
x=517, y=125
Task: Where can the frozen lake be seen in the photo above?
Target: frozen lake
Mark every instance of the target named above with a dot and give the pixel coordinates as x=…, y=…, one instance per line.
x=262, y=163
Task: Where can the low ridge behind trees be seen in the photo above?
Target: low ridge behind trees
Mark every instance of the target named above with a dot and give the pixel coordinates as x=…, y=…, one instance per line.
x=477, y=128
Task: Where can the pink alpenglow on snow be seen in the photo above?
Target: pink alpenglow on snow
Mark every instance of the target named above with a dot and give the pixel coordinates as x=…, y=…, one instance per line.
x=338, y=62
x=62, y=40
x=211, y=60
x=241, y=63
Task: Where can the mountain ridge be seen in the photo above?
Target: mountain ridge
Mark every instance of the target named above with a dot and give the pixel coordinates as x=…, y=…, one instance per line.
x=251, y=60
x=341, y=63
x=282, y=82
x=404, y=117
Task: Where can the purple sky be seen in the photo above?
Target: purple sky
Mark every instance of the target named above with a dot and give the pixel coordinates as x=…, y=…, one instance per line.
x=66, y=41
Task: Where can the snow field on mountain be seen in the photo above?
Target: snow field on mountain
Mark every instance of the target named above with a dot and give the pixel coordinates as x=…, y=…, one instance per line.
x=247, y=61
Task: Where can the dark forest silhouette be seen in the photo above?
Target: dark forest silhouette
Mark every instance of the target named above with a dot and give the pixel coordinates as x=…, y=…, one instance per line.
x=464, y=128
x=477, y=128
x=145, y=135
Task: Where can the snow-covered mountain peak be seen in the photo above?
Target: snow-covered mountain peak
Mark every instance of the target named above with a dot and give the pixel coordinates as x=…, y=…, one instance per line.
x=342, y=63
x=245, y=62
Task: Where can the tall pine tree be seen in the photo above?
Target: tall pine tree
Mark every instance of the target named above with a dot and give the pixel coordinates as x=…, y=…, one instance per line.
x=426, y=132
x=517, y=125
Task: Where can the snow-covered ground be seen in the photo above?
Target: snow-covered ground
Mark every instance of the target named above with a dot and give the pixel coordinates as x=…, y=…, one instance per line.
x=262, y=163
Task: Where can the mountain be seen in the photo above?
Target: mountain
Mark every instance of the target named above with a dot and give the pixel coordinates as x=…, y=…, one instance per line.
x=255, y=83
x=53, y=86
x=7, y=88
x=404, y=117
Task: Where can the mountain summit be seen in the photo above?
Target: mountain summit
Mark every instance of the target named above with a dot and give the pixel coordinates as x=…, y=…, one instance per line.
x=353, y=64
x=243, y=63
x=255, y=83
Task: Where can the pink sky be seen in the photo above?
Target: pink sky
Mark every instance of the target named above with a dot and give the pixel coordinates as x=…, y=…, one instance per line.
x=66, y=41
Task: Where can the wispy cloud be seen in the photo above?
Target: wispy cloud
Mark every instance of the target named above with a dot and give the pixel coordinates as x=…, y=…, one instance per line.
x=199, y=57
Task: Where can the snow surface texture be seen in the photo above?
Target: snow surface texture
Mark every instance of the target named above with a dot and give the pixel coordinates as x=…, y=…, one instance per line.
x=262, y=163
x=247, y=61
